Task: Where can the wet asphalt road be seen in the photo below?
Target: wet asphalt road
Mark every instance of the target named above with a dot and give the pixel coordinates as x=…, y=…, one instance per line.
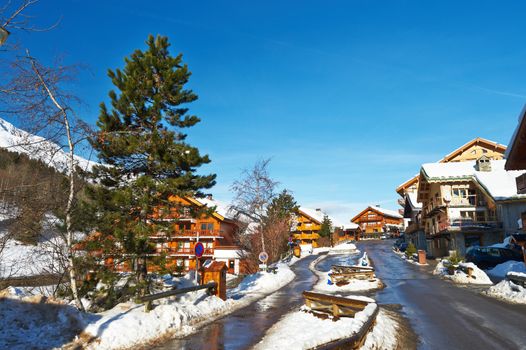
x=445, y=316
x=246, y=327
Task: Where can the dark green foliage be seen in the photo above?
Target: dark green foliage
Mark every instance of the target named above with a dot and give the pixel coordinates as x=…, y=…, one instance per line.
x=326, y=227
x=411, y=249
x=282, y=206
x=141, y=141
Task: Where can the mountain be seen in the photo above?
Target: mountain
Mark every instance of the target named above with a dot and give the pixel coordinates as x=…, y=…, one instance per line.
x=17, y=140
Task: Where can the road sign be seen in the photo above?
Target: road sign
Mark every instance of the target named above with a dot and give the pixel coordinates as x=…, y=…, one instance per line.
x=263, y=257
x=199, y=250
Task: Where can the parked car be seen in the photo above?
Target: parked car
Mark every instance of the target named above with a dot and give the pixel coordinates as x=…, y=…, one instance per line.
x=489, y=257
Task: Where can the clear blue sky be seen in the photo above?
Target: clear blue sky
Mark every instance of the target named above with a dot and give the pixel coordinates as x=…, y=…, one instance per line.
x=348, y=98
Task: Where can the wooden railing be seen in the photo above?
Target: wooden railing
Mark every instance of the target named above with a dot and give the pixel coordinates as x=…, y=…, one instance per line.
x=467, y=224
x=182, y=251
x=188, y=233
x=149, y=298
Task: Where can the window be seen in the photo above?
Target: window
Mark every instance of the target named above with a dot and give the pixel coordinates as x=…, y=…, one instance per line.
x=210, y=227
x=231, y=264
x=203, y=227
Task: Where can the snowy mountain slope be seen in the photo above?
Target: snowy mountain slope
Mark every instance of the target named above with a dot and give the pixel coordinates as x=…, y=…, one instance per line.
x=36, y=147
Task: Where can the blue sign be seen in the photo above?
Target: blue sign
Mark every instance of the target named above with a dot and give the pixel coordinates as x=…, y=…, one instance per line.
x=199, y=249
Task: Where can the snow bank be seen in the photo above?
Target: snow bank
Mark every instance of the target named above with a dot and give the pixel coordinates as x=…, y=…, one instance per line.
x=324, y=283
x=290, y=332
x=477, y=277
x=343, y=248
x=36, y=322
x=509, y=291
x=263, y=283
x=502, y=270
x=383, y=335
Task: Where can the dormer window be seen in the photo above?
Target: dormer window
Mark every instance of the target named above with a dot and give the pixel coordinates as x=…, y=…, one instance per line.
x=483, y=164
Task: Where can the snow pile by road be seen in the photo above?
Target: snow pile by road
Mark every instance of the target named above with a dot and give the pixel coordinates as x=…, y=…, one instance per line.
x=384, y=334
x=262, y=283
x=477, y=277
x=508, y=290
x=343, y=248
x=36, y=322
x=502, y=270
x=325, y=285
x=302, y=330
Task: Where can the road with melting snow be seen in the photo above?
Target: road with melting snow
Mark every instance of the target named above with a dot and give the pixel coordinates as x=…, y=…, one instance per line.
x=444, y=315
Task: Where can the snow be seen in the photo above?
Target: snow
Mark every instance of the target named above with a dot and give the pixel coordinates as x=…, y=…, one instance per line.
x=383, y=335
x=36, y=147
x=413, y=201
x=324, y=283
x=317, y=215
x=351, y=226
x=502, y=269
x=36, y=322
x=477, y=277
x=290, y=332
x=498, y=182
x=509, y=291
x=387, y=212
x=222, y=208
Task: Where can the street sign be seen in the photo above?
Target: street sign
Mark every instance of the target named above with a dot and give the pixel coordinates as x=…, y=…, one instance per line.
x=263, y=257
x=199, y=250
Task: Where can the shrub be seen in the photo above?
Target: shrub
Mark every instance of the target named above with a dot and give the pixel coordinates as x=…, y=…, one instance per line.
x=411, y=249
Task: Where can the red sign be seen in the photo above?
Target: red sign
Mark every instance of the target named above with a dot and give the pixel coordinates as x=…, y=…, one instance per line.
x=199, y=249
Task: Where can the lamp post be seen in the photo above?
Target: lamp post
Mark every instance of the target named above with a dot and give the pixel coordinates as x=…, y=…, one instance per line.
x=3, y=35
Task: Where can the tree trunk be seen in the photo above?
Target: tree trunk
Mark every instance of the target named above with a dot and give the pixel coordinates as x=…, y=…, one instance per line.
x=71, y=196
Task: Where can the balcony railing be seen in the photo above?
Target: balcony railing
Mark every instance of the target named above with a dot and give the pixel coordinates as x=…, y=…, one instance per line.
x=468, y=225
x=306, y=236
x=182, y=251
x=188, y=233
x=412, y=227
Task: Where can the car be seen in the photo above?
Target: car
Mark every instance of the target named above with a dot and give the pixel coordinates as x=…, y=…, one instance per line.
x=489, y=257
x=383, y=237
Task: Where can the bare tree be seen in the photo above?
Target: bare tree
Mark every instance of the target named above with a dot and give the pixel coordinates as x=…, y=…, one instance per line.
x=253, y=193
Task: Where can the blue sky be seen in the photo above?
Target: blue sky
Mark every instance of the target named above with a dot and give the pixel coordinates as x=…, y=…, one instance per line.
x=348, y=98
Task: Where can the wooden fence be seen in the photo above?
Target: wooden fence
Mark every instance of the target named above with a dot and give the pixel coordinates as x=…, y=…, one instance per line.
x=147, y=299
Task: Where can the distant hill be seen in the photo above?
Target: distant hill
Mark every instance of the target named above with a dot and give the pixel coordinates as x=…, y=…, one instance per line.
x=17, y=140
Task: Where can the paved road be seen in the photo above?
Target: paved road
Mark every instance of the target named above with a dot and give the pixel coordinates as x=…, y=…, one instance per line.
x=246, y=327
x=443, y=315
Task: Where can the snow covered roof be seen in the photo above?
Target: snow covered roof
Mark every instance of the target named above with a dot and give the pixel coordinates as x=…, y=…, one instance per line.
x=36, y=147
x=222, y=208
x=317, y=215
x=498, y=182
x=411, y=197
x=351, y=226
x=387, y=212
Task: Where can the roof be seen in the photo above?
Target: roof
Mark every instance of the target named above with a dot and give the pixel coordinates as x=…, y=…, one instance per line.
x=450, y=156
x=216, y=266
x=221, y=210
x=351, y=226
x=499, y=183
x=316, y=215
x=516, y=157
x=411, y=197
x=382, y=211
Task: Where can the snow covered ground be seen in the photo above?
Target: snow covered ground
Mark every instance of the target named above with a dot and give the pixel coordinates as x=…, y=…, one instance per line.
x=128, y=325
x=505, y=289
x=478, y=276
x=289, y=333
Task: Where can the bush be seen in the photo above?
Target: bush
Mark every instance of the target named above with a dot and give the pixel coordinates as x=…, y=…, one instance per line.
x=455, y=258
x=411, y=249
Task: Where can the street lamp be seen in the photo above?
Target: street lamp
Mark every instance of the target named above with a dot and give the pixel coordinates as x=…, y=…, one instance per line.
x=3, y=35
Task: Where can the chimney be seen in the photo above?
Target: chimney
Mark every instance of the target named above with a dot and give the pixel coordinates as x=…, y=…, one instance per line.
x=318, y=209
x=209, y=197
x=378, y=205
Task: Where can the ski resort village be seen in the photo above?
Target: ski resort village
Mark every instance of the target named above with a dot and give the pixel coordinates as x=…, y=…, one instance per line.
x=262, y=175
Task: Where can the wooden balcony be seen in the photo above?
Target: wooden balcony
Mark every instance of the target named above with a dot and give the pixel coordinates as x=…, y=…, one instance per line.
x=182, y=251
x=189, y=234
x=463, y=225
x=412, y=227
x=303, y=236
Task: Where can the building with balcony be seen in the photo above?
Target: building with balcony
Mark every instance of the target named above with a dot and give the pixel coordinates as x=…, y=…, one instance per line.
x=373, y=221
x=195, y=220
x=347, y=232
x=306, y=226
x=467, y=203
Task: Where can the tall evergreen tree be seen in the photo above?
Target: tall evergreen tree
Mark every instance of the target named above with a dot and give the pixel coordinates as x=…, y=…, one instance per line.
x=326, y=227
x=142, y=145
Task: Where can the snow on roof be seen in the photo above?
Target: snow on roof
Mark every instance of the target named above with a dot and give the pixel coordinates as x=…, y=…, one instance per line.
x=499, y=183
x=37, y=147
x=222, y=208
x=412, y=200
x=313, y=213
x=350, y=226
x=387, y=212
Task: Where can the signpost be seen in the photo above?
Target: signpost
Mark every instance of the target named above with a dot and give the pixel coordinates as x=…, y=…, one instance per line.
x=199, y=250
x=263, y=257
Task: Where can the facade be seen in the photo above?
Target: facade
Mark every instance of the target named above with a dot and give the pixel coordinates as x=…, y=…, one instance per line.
x=373, y=221
x=193, y=222
x=467, y=204
x=471, y=151
x=307, y=225
x=348, y=232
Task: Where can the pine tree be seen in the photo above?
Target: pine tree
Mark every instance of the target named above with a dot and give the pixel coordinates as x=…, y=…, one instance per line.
x=326, y=227
x=142, y=144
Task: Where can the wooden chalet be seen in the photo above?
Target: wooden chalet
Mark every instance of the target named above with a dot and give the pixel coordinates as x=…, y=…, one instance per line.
x=348, y=232
x=374, y=221
x=195, y=222
x=307, y=226
x=468, y=203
